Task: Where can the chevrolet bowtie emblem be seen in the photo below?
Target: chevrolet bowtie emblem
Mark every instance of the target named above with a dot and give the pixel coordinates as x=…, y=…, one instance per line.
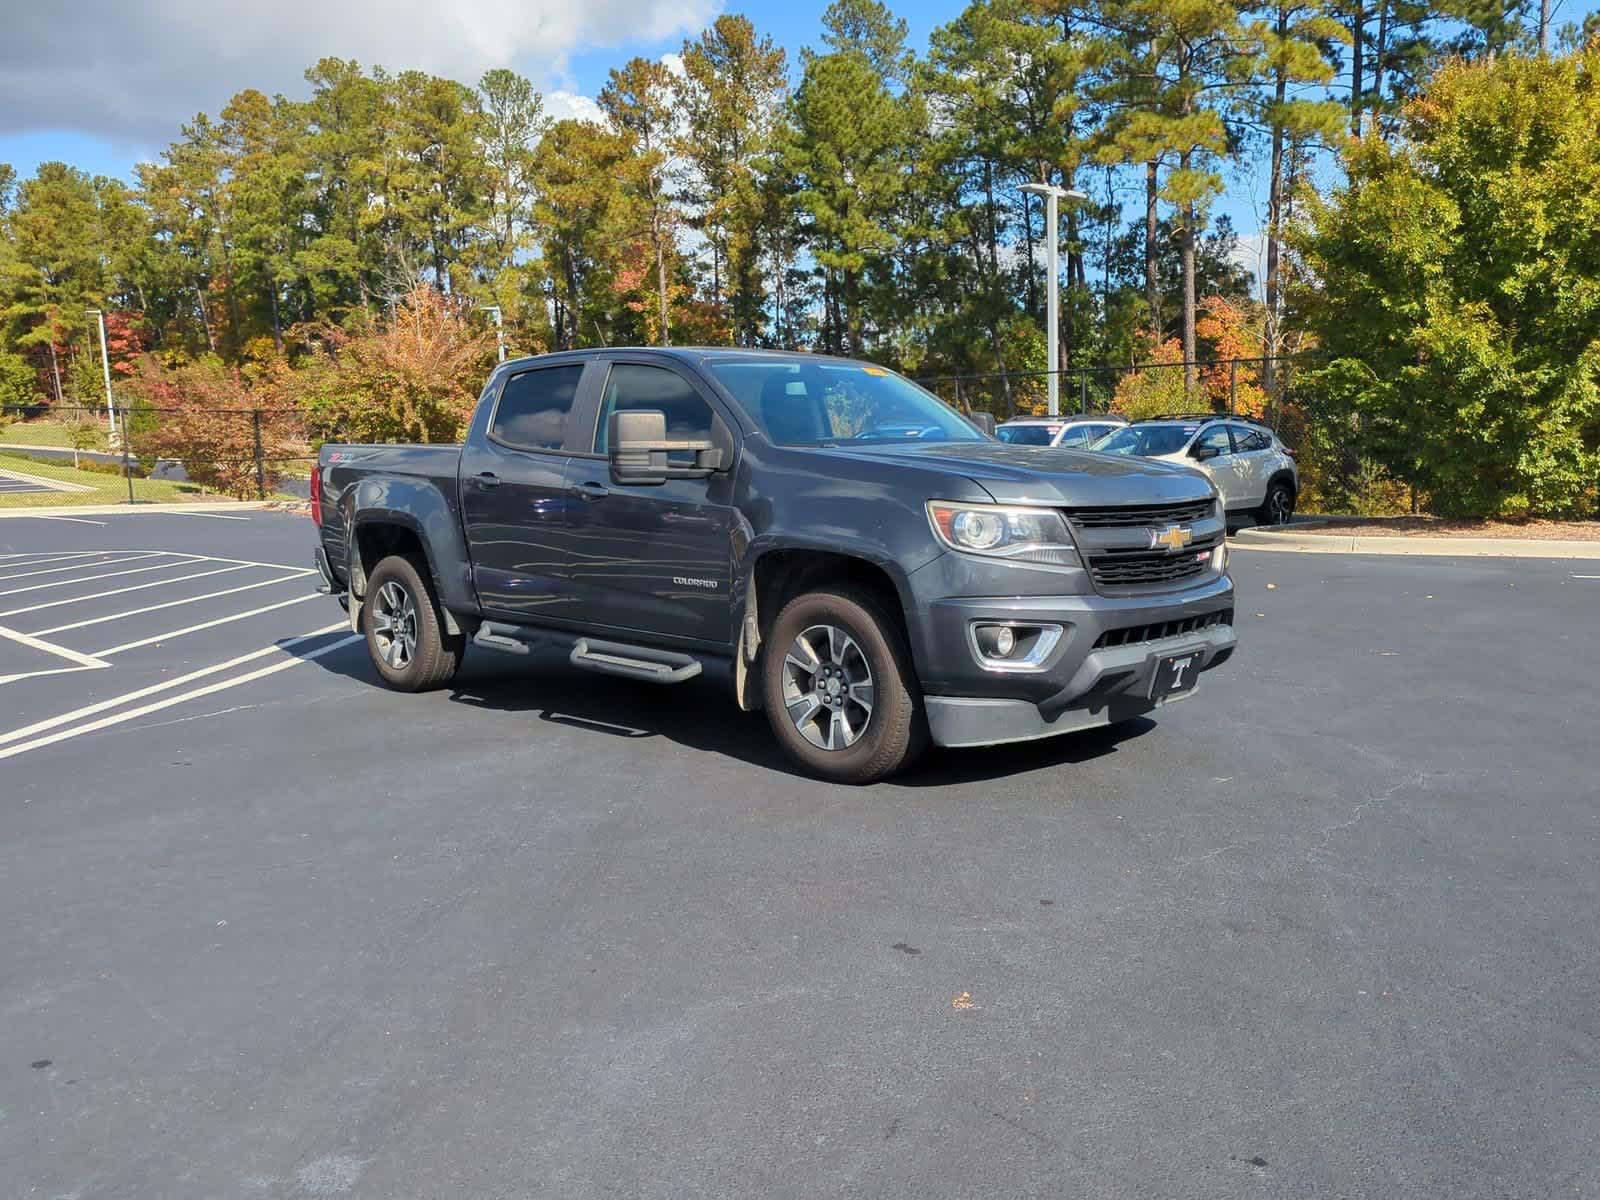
x=1173, y=537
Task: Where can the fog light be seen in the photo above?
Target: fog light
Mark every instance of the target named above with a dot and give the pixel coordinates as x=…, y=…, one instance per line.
x=1005, y=642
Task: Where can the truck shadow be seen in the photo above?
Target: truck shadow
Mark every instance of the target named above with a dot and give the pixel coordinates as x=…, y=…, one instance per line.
x=701, y=716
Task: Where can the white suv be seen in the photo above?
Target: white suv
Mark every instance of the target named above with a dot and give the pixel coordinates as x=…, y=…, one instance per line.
x=1075, y=432
x=1254, y=472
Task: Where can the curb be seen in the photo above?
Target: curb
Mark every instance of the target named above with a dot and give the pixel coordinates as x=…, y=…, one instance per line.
x=100, y=510
x=1426, y=547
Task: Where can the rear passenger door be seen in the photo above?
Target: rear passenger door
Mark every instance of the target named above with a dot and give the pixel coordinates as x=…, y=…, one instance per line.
x=1252, y=452
x=653, y=560
x=515, y=501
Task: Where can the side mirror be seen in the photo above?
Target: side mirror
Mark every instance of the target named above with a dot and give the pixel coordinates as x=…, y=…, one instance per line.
x=639, y=448
x=1201, y=453
x=983, y=420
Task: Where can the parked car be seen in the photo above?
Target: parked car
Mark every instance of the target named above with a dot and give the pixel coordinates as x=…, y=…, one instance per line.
x=868, y=565
x=1077, y=432
x=1254, y=472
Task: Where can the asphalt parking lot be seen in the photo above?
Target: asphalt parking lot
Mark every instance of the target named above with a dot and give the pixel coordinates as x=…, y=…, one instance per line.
x=1327, y=928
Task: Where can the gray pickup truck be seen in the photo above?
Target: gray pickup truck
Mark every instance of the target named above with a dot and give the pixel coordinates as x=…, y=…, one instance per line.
x=863, y=562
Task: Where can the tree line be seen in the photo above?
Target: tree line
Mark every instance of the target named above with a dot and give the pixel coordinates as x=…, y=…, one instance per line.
x=864, y=199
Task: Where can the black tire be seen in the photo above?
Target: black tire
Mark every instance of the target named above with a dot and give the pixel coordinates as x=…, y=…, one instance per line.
x=1278, y=507
x=418, y=654
x=894, y=731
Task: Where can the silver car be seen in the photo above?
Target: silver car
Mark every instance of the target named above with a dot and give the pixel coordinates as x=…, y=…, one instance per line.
x=1254, y=472
x=1076, y=432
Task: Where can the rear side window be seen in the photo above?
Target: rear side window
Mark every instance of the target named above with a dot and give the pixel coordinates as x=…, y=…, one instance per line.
x=1245, y=438
x=633, y=386
x=534, y=406
x=1079, y=436
x=1025, y=435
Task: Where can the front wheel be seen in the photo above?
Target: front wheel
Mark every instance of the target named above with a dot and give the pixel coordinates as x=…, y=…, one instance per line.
x=1278, y=506
x=839, y=690
x=404, y=627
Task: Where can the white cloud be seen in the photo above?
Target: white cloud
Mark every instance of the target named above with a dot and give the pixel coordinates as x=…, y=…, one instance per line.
x=134, y=72
x=560, y=105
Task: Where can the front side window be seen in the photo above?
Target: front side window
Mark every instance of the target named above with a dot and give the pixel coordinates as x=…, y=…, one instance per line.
x=799, y=403
x=1079, y=436
x=1147, y=440
x=534, y=406
x=633, y=386
x=1215, y=438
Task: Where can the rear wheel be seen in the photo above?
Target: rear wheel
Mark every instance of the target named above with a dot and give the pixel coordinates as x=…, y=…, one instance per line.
x=839, y=690
x=404, y=627
x=1278, y=506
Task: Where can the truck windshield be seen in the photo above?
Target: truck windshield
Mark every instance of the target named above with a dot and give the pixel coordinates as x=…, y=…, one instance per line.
x=831, y=403
x=1146, y=440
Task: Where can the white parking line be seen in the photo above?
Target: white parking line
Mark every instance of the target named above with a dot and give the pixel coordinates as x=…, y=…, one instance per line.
x=212, y=516
x=137, y=587
x=34, y=643
x=168, y=702
x=134, y=612
x=74, y=520
x=37, y=587
x=79, y=566
x=161, y=637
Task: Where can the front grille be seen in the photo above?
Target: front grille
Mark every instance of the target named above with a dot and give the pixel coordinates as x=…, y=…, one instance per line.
x=1135, y=634
x=1142, y=514
x=1140, y=567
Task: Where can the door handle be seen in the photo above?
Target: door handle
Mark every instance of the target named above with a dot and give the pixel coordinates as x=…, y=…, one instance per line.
x=593, y=491
x=486, y=479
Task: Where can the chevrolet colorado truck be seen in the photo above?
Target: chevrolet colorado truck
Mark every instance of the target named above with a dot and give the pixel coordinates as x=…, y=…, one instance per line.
x=866, y=564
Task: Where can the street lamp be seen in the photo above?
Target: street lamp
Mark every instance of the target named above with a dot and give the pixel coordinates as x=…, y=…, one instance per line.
x=499, y=334
x=105, y=369
x=1052, y=328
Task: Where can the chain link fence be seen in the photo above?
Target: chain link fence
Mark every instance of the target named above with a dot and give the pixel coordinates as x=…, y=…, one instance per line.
x=140, y=453
x=55, y=454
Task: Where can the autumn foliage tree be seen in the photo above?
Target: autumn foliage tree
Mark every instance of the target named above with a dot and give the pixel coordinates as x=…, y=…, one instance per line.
x=411, y=375
x=228, y=437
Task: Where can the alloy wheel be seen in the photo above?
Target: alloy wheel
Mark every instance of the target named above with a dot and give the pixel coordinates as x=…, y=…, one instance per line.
x=827, y=687
x=394, y=625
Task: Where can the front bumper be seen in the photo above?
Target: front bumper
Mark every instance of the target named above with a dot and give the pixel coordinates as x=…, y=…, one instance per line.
x=1082, y=683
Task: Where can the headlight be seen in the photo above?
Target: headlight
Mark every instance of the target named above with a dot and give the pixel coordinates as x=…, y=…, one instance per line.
x=1033, y=535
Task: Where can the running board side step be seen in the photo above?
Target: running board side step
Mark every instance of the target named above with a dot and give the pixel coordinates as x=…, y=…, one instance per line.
x=500, y=637
x=644, y=663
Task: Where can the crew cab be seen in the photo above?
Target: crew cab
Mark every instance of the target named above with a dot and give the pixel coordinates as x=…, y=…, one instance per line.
x=861, y=561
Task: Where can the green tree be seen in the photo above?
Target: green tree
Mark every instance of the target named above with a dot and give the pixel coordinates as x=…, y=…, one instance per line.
x=638, y=100
x=1454, y=284
x=730, y=97
x=1293, y=39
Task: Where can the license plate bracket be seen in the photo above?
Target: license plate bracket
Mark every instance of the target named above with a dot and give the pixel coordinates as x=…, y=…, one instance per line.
x=1175, y=675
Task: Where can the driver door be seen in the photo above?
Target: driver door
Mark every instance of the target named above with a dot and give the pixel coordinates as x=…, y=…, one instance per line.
x=653, y=559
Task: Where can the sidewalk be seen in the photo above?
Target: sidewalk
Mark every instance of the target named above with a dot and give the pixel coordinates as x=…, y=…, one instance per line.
x=1287, y=537
x=96, y=510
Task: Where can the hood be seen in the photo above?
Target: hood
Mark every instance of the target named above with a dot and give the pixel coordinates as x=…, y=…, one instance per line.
x=1037, y=475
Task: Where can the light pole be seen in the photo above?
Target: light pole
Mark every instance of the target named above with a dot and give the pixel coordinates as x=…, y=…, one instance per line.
x=1052, y=323
x=499, y=333
x=105, y=370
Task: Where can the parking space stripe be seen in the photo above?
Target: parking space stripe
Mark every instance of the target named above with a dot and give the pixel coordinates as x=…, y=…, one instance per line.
x=161, y=637
x=170, y=701
x=74, y=520
x=35, y=587
x=90, y=710
x=212, y=516
x=137, y=587
x=35, y=643
x=79, y=566
x=134, y=612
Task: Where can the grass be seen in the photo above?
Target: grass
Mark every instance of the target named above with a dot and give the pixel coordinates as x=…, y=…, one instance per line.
x=108, y=489
x=38, y=433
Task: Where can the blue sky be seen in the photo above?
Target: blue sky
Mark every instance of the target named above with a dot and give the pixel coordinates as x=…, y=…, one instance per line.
x=101, y=85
